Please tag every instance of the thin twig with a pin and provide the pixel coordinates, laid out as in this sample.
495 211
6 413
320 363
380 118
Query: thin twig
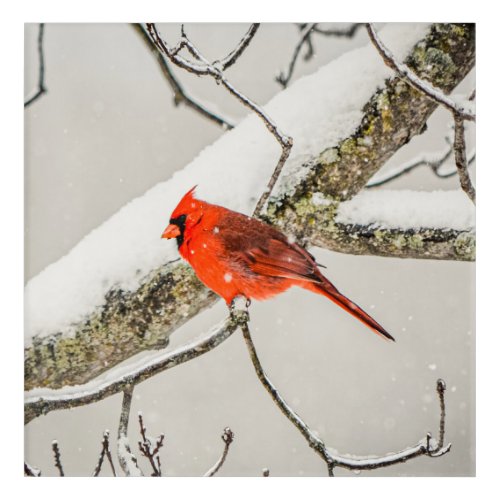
202 67
31 471
231 58
227 438
424 447
57 457
433 161
461 158
105 452
60 399
441 388
180 95
127 461
151 454
407 74
41 69
284 78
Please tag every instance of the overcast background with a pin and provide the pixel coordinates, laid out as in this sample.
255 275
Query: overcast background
106 132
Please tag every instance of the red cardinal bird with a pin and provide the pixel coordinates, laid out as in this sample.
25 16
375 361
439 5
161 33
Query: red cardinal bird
235 255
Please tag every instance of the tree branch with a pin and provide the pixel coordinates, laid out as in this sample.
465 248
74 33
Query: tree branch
432 160
57 457
152 454
227 438
126 459
104 453
235 54
423 86
426 446
284 78
284 141
180 95
42 401
41 69
461 159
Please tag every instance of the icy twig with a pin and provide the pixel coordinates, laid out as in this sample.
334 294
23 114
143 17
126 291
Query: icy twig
41 69
432 160
231 58
147 450
423 86
126 459
57 457
31 471
60 399
461 158
104 453
265 472
180 95
284 78
202 67
227 438
423 447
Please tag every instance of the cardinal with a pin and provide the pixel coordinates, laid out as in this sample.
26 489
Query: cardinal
236 255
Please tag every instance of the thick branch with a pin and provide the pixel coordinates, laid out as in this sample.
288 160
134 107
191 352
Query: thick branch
423 86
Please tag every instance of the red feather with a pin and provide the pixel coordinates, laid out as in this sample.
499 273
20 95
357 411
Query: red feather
236 255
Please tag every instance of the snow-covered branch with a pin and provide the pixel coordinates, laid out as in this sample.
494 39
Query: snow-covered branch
426 446
42 401
119 291
425 87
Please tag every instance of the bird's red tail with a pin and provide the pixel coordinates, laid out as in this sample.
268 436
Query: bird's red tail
329 291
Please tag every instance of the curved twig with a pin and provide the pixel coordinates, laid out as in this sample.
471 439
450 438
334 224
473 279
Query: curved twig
227 437
231 58
284 78
41 69
180 95
424 447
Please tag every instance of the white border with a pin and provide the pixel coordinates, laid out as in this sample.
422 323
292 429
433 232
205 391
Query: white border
211 10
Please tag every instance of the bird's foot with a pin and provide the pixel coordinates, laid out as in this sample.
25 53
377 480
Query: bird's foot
238 308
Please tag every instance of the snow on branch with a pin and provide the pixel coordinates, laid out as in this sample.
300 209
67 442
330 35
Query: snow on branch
42 401
120 291
423 86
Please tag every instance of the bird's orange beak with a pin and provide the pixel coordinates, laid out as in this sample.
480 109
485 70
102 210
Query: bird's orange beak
172 231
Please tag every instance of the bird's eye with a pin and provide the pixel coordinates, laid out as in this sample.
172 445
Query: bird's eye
179 221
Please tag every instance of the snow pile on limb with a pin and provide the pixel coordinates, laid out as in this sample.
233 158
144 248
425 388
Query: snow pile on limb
316 111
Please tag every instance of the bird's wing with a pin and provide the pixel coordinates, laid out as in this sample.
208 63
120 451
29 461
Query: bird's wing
282 259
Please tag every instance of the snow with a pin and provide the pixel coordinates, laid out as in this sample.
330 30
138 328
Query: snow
405 209
317 111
